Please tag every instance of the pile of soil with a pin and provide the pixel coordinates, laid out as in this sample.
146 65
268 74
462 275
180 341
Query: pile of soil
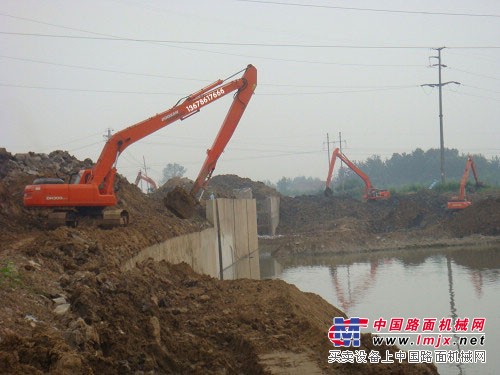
160 318
180 202
225 186
319 224
68 306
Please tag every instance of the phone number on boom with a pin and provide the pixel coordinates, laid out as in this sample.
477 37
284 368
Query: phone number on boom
206 99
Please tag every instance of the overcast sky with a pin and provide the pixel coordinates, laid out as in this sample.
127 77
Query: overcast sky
70 71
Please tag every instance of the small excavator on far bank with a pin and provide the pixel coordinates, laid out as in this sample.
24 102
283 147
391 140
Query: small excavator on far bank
152 184
460 202
370 194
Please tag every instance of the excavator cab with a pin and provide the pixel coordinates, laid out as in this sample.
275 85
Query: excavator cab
376 194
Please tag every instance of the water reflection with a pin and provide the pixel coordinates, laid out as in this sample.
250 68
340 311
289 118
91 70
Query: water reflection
437 283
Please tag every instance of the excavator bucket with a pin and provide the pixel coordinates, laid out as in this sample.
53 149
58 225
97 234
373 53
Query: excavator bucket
180 202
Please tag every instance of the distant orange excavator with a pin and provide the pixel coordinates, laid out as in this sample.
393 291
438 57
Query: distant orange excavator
460 202
371 193
149 180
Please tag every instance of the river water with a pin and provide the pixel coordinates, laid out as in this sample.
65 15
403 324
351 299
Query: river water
455 283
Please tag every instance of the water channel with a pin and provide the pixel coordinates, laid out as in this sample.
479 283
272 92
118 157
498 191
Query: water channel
418 283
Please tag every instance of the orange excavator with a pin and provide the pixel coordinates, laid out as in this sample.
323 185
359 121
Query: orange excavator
92 192
149 180
371 193
460 202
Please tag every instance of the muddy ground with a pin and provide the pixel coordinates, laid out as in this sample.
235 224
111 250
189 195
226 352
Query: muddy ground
68 308
317 224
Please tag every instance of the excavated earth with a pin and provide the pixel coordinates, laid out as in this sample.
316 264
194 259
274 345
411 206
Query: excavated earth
317 224
68 307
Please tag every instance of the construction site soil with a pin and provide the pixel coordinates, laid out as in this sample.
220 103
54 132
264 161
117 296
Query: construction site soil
68 306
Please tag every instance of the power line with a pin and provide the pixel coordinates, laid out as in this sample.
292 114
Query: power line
482 89
199 42
383 88
97 69
87 90
37 87
194 79
372 9
478 96
475 74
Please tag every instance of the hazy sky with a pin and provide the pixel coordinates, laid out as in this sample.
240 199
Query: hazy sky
70 71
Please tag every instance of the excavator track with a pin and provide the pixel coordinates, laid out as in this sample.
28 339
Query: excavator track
62 218
112 218
108 218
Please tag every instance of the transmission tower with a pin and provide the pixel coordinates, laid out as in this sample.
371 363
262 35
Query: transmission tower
440 85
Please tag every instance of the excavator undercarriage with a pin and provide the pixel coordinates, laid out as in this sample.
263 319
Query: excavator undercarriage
104 217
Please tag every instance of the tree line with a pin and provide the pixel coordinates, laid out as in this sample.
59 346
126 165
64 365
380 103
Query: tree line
416 169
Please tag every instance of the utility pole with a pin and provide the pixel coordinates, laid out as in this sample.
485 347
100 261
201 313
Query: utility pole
328 147
148 185
108 135
440 85
340 147
328 142
341 162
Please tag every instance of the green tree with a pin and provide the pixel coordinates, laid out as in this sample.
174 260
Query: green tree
173 170
284 185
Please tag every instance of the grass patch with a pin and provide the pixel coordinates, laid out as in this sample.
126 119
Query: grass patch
9 275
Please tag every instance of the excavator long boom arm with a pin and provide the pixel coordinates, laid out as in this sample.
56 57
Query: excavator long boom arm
463 181
338 154
241 99
102 172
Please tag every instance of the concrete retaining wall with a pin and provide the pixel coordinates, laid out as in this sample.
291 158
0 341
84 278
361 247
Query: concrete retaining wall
268 215
230 252
237 241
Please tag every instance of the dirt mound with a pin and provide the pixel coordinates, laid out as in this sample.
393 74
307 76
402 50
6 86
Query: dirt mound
422 211
482 217
317 213
160 318
180 202
148 218
17 171
224 186
316 224
171 184
69 307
